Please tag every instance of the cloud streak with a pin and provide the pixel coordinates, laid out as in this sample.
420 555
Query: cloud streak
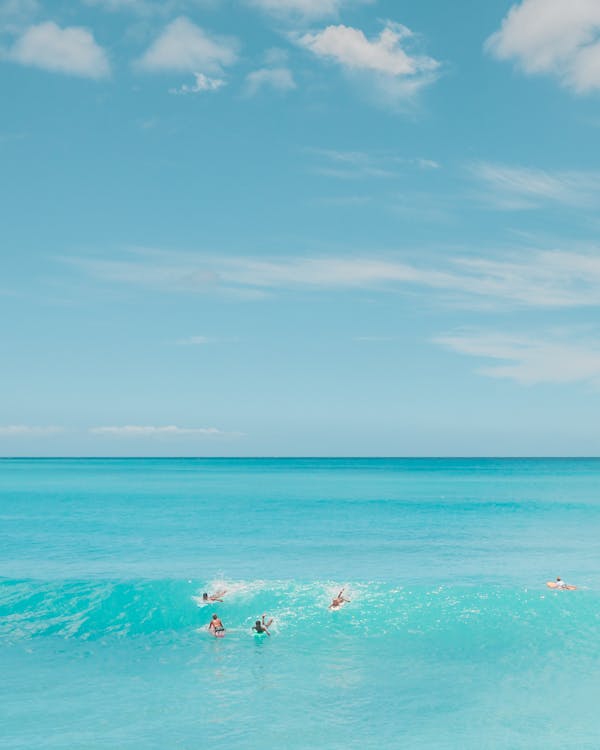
166 431
21 430
543 279
527 360
349 165
521 188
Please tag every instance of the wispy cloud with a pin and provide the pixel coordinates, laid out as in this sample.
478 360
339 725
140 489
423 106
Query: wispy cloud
15 15
427 163
185 47
304 9
529 360
22 430
551 279
143 7
277 79
386 63
195 341
151 431
72 50
350 165
150 7
202 83
521 188
554 37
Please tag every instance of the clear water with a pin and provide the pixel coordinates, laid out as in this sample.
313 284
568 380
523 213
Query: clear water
451 640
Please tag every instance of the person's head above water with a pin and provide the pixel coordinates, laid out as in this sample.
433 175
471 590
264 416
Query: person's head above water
215 617
205 596
558 578
258 625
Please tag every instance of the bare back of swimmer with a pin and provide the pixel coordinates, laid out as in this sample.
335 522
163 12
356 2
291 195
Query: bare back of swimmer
215 625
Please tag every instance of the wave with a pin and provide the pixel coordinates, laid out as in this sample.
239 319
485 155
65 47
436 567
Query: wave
90 610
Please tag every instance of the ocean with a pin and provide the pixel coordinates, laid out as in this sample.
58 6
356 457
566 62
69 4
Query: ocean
451 638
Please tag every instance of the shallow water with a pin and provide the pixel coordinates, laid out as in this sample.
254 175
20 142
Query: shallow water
451 639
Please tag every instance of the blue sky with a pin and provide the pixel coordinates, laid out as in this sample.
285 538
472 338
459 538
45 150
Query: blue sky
299 227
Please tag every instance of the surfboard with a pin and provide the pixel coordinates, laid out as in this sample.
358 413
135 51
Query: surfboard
554 585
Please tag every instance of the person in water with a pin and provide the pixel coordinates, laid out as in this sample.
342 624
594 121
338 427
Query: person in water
338 600
218 597
561 585
263 627
215 625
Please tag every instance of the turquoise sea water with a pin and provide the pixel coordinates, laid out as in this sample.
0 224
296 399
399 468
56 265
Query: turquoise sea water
451 639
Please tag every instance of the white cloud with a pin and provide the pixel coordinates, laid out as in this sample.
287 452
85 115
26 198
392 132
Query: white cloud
557 37
550 279
280 79
305 9
72 50
351 48
185 47
201 84
151 431
516 187
22 430
530 360
392 72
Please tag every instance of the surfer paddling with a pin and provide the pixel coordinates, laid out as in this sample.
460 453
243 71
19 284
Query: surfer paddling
217 597
338 600
216 627
560 584
263 627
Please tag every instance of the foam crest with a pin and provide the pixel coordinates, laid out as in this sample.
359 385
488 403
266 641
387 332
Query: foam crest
169 609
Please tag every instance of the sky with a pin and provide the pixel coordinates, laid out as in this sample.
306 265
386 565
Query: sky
299 228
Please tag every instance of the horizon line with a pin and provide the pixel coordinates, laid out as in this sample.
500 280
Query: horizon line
304 457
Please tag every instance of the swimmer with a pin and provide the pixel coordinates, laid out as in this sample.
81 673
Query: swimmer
338 600
215 625
560 584
218 597
263 627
